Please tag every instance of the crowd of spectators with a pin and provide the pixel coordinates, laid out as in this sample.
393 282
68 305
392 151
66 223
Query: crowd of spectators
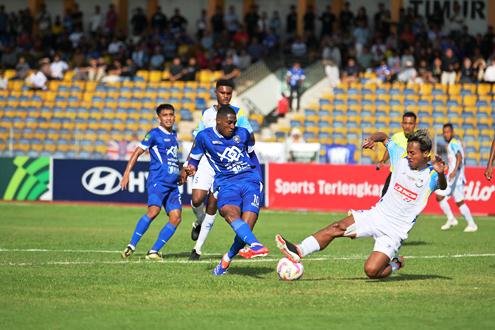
416 48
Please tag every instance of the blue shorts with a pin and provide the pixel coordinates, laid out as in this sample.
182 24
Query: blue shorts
245 194
169 197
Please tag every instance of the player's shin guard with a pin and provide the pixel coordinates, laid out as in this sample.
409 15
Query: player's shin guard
444 205
165 234
141 228
309 245
243 231
206 226
199 212
466 213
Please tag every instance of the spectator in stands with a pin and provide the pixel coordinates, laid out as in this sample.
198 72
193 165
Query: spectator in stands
282 106
455 21
489 76
115 45
8 58
365 60
295 79
241 38
217 23
294 137
176 70
44 21
113 72
4 20
96 69
291 21
436 70
139 22
383 72
351 72
230 70
178 22
467 73
4 82
309 20
57 27
38 79
332 73
408 74
158 20
111 19
270 41
140 56
128 70
327 19
190 70
77 17
298 48
263 25
255 50
58 67
450 65
21 69
232 21
96 21
424 73
251 21
76 36
331 52
407 57
157 59
241 59
346 18
276 23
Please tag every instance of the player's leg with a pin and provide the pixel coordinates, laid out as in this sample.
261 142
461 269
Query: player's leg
201 185
466 213
206 226
318 241
173 208
383 261
142 226
441 196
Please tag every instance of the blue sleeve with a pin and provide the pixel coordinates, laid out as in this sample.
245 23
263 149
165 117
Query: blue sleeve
147 142
197 150
434 180
395 152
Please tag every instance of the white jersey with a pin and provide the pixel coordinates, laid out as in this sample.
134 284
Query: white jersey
408 191
454 147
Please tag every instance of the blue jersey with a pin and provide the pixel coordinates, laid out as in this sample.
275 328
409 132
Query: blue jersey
227 156
209 119
295 75
164 164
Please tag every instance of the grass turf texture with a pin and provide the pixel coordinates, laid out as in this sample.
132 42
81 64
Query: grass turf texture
56 288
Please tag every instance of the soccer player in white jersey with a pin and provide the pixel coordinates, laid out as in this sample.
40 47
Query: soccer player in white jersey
390 220
204 177
489 165
456 181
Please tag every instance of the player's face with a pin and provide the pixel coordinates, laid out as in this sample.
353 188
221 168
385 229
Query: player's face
166 118
408 125
447 134
226 125
224 95
415 157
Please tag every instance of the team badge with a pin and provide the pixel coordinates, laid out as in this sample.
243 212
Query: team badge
237 139
147 137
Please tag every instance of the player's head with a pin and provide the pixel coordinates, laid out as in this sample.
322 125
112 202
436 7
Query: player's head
408 123
166 115
223 91
418 149
448 132
226 120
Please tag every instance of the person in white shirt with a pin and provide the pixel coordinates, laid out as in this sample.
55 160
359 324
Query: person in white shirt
390 220
490 72
96 20
58 67
39 79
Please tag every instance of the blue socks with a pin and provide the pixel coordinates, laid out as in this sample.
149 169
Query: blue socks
141 228
163 237
236 247
243 231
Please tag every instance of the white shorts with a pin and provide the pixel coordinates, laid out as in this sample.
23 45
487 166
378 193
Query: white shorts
204 177
388 236
454 189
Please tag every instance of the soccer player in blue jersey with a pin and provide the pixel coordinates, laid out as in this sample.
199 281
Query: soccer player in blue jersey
203 179
238 184
390 220
161 183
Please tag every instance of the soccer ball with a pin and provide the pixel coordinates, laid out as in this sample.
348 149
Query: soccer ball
289 271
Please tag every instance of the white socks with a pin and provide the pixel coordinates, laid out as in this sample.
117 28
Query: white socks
206 226
464 209
444 205
309 245
199 212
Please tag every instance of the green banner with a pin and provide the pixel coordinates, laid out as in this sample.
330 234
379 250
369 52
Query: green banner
24 178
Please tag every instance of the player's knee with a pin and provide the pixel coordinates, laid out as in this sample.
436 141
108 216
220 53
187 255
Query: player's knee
439 198
459 204
336 229
152 214
372 271
197 200
175 220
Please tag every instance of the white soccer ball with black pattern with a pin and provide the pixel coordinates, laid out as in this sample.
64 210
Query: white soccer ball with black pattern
288 270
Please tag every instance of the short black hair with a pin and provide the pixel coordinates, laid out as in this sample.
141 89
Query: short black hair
409 114
225 110
224 82
421 136
164 106
449 125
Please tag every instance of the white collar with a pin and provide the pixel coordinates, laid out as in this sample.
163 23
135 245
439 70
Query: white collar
217 133
164 130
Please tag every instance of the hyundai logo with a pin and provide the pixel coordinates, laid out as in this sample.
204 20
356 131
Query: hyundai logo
101 180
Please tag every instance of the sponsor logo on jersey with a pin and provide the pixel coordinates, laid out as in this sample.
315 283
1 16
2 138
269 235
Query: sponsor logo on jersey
231 154
407 194
101 180
172 151
216 142
167 140
236 139
147 137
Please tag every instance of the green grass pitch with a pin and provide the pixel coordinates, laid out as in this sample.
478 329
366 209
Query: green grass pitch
60 268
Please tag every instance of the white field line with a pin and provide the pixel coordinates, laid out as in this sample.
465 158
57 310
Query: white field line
208 261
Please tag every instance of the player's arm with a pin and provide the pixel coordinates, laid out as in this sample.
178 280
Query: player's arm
382 162
201 126
197 151
439 167
130 165
489 165
369 143
252 154
458 162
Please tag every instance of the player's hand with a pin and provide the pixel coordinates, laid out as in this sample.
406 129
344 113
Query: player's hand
438 164
190 170
124 182
368 143
452 176
182 176
379 165
488 173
